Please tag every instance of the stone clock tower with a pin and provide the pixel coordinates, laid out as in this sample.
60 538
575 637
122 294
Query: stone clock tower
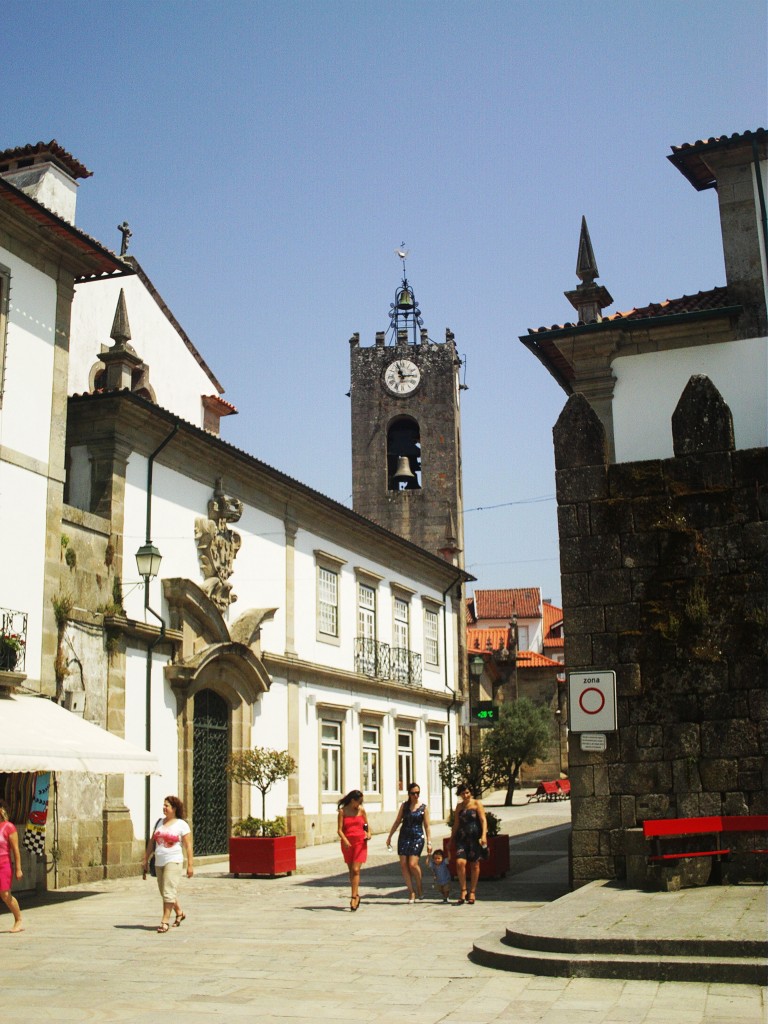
406 436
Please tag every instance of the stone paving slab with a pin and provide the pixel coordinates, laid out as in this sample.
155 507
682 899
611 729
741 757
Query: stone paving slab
732 918
289 950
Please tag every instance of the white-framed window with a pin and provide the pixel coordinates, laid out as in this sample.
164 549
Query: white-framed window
371 759
5 291
522 638
431 636
404 759
329 597
328 600
400 657
366 611
401 631
330 755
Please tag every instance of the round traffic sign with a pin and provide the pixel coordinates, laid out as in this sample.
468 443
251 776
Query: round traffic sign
592 700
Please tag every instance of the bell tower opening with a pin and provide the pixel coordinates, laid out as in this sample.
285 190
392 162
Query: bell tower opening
404 455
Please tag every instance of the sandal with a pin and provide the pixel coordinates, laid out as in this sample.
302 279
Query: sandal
179 919
354 903
412 897
462 898
471 898
163 928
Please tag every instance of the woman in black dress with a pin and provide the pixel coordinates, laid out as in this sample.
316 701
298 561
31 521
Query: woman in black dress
470 841
413 821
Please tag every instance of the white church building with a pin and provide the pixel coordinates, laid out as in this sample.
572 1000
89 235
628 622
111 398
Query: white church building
277 617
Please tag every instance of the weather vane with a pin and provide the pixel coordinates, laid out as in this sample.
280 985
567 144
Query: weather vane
404 314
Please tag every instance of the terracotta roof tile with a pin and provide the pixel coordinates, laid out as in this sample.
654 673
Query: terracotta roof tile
218 405
542 342
97 261
552 616
690 158
524 602
530 659
478 640
714 298
73 167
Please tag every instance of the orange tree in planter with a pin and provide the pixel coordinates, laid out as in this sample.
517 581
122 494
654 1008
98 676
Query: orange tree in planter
262 768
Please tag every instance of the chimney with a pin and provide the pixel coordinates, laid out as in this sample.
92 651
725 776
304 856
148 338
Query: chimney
734 165
47 173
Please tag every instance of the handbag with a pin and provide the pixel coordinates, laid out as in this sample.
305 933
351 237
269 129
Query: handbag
485 852
152 868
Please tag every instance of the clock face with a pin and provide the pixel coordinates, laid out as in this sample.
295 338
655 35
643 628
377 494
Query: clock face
402 377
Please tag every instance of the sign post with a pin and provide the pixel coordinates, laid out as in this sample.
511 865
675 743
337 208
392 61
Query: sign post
592 702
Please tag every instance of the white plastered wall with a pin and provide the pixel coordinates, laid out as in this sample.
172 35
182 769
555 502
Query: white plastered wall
649 386
25 418
176 377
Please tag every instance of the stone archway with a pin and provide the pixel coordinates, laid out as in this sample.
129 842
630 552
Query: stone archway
218 677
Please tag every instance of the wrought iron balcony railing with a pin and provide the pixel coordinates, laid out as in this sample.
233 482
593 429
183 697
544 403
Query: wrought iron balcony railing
406 666
13 640
372 658
380 661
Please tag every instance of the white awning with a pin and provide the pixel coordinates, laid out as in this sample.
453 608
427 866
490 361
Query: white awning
37 735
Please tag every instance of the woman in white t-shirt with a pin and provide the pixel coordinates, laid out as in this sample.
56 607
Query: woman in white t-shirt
170 840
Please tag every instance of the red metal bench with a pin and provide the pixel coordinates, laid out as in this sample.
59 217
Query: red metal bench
662 830
564 787
545 791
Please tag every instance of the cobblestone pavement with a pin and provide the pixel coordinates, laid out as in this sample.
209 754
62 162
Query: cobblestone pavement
288 949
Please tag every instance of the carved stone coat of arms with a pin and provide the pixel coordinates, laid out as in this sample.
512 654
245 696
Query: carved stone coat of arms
217 546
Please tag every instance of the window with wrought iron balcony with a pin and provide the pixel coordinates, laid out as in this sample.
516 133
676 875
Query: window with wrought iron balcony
13 640
380 661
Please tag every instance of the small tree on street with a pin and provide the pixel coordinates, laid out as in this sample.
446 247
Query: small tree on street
523 734
262 768
474 769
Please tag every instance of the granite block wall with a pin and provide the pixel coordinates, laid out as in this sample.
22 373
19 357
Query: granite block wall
663 568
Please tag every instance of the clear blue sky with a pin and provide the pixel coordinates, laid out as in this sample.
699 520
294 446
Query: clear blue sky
269 157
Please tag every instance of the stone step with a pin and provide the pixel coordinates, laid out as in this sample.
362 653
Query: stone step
650 947
492 951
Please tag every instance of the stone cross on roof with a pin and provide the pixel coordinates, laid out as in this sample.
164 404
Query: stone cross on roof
126 232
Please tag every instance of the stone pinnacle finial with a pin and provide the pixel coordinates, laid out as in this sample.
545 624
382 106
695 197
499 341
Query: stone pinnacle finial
586 264
587 298
121 329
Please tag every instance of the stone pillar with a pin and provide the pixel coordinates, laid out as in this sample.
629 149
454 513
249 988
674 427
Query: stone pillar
109 459
295 811
55 482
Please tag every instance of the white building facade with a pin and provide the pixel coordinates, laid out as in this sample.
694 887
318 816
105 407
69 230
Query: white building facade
278 618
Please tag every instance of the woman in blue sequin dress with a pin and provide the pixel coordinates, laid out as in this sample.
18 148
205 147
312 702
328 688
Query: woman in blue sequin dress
413 821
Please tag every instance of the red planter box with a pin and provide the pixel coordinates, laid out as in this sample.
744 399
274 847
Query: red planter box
257 856
497 864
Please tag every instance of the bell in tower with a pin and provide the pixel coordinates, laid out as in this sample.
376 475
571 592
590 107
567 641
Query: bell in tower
406 437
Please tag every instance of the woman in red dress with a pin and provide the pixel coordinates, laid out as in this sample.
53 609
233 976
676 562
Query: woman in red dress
354 835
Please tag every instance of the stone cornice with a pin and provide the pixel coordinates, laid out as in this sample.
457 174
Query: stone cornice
353 682
144 631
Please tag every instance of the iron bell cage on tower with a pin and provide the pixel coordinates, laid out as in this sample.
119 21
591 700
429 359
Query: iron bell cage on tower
406 432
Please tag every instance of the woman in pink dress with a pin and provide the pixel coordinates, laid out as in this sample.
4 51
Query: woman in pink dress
9 849
354 835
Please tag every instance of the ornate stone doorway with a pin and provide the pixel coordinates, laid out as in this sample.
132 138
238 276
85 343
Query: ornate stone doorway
209 780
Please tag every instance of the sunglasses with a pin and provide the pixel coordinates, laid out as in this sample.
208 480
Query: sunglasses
414 792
